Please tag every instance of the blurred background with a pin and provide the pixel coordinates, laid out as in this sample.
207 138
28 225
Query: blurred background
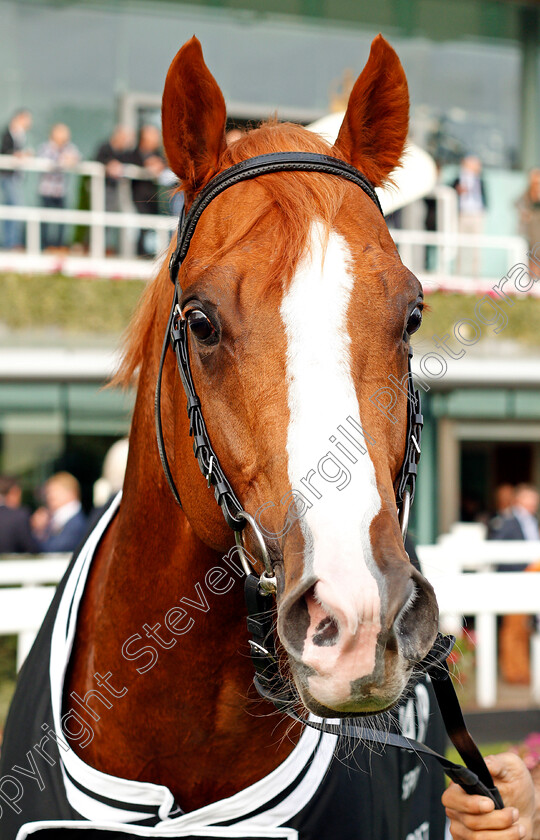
87 204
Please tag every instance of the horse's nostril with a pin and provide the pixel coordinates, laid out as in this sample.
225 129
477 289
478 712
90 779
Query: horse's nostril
417 623
307 620
326 632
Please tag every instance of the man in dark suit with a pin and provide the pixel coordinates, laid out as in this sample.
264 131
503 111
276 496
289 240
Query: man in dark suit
519 522
15 533
62 524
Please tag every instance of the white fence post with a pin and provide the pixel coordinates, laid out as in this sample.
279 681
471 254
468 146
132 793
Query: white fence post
33 236
485 594
486 659
97 206
535 667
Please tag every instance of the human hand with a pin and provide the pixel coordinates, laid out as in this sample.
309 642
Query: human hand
40 520
114 169
69 159
475 817
154 164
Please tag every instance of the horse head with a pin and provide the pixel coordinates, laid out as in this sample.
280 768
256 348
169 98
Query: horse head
298 310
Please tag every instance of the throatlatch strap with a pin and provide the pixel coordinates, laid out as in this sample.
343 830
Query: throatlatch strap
157 408
465 777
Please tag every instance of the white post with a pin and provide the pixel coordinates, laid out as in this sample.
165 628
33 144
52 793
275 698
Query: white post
25 640
97 205
486 659
163 239
535 667
127 236
33 236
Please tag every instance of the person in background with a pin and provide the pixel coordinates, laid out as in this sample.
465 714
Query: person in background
472 210
60 525
112 474
515 521
528 206
504 499
15 533
13 142
233 135
519 521
145 192
52 189
114 153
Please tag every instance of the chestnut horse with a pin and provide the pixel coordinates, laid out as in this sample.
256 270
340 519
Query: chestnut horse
298 309
298 306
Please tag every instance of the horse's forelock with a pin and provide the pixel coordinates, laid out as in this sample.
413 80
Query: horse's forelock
295 200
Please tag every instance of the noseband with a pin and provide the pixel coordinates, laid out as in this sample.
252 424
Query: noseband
475 777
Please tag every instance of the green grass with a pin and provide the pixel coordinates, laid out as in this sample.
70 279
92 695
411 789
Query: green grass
8 648
92 306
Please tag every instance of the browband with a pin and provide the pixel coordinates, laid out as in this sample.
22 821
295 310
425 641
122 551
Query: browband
252 168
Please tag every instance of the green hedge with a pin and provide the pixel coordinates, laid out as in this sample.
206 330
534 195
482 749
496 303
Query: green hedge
94 306
73 304
445 310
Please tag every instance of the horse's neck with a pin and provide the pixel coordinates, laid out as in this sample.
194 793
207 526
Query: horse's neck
189 710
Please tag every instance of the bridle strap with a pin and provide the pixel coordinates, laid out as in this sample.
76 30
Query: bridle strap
207 459
202 447
157 408
471 777
253 168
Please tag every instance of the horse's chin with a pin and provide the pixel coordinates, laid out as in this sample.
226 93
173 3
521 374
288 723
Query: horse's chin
328 699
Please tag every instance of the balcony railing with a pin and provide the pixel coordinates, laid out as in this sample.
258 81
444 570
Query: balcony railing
443 258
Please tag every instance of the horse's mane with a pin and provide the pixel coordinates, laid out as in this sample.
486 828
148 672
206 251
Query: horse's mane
294 199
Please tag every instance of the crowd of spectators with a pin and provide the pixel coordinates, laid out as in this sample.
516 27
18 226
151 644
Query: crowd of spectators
150 188
149 184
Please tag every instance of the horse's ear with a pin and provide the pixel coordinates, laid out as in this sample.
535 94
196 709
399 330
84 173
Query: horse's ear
193 118
374 129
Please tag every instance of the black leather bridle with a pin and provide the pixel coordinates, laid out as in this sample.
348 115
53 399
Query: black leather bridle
475 777
176 335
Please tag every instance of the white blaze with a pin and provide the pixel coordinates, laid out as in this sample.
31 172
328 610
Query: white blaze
321 396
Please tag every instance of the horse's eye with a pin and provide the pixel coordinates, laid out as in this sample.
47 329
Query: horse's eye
415 319
200 325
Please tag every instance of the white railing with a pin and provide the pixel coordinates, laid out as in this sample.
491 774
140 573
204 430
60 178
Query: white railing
453 555
96 218
484 595
446 243
27 588
97 221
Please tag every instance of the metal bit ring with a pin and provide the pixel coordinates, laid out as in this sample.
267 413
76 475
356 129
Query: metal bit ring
268 582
